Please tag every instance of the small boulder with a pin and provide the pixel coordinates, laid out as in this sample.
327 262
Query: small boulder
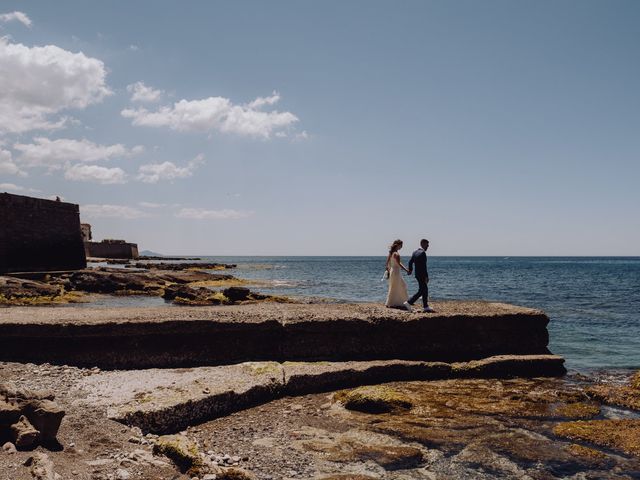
234 474
46 416
237 294
9 448
183 291
41 467
24 435
122 474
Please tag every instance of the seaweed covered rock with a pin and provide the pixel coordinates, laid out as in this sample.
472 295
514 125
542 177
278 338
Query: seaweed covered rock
17 291
389 457
237 294
186 294
374 399
194 295
578 410
621 435
621 395
182 451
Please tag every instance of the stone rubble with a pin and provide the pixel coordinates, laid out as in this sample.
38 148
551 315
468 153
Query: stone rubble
29 418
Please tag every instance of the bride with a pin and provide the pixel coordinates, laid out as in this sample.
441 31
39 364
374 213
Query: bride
397 296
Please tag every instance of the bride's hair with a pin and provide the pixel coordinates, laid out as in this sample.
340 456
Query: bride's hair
395 245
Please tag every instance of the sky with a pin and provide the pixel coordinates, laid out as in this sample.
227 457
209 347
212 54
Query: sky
329 128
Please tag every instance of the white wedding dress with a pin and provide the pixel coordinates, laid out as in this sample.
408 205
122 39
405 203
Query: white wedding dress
398 294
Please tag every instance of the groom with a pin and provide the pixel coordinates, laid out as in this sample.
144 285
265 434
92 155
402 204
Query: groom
419 258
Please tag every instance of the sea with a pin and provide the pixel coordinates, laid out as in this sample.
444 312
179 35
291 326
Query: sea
593 302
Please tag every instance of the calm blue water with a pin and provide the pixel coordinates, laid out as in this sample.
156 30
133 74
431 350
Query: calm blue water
593 303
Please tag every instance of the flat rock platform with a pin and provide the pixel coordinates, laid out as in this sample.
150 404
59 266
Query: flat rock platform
169 400
171 337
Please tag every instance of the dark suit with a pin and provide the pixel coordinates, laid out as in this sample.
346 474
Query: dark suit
419 259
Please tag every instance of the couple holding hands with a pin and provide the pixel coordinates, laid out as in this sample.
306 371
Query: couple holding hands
398 297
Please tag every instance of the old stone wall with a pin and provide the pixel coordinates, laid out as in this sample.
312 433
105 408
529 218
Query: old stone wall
106 249
39 235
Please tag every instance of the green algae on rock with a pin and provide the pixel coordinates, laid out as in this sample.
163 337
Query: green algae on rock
620 395
24 292
182 451
586 453
621 435
389 457
374 399
578 410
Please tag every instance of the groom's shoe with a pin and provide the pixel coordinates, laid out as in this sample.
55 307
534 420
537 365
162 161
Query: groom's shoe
407 306
428 309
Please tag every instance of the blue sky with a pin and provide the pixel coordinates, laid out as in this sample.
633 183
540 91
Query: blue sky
330 128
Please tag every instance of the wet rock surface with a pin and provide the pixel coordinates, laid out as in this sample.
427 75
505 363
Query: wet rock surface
202 296
168 400
462 428
622 435
625 395
374 399
42 288
16 291
468 429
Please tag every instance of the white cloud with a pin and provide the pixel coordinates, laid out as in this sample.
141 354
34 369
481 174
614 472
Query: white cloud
95 173
7 165
36 83
134 48
55 154
12 187
203 214
142 93
116 211
216 114
152 205
154 172
262 101
17 16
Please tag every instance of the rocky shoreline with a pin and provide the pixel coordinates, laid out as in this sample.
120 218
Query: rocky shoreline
178 283
463 428
235 384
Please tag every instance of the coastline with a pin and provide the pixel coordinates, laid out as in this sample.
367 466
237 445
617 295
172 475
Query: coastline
227 373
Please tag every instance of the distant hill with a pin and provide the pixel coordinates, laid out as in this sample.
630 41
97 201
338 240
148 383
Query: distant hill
149 253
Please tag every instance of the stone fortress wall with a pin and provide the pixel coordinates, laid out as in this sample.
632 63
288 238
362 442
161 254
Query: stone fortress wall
39 235
107 248
111 249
